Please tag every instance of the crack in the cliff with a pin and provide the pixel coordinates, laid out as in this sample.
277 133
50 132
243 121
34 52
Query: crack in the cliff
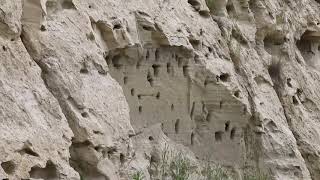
43 70
277 88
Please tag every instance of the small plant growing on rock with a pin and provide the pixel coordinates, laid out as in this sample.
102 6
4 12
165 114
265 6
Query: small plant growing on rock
138 176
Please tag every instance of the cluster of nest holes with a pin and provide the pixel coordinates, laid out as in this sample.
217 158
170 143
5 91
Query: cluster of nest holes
218 135
152 75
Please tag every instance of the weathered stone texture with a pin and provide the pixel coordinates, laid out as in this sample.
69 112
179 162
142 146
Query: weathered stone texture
98 89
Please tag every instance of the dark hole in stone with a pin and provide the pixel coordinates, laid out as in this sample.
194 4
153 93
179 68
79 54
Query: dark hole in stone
138 66
147 28
90 36
221 104
116 62
132 92
195 4
237 94
140 109
289 82
156 69
84 114
172 107
108 59
150 79
227 126
218 135
154 159
295 100
125 80
147 55
195 43
169 68
8 167
192 109
49 172
233 133
84 71
210 49
204 13
177 126
224 77
192 138
67 4
185 71
274 71
122 158
43 28
4 48
117 26
151 138
158 95
98 148
29 151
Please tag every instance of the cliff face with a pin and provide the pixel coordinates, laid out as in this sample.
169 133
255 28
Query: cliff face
102 88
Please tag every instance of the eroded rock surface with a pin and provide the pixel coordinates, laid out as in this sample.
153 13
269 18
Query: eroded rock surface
98 89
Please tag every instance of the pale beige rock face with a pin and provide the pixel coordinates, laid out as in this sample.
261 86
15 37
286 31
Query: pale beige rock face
99 89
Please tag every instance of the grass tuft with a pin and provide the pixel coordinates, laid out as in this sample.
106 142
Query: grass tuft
256 176
180 168
138 176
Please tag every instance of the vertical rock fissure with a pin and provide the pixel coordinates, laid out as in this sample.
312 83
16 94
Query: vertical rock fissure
43 70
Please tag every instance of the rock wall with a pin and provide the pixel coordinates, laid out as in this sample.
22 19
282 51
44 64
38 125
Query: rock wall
98 89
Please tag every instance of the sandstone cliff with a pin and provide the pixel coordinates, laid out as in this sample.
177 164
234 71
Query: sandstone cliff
103 89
